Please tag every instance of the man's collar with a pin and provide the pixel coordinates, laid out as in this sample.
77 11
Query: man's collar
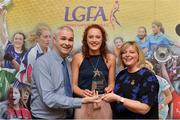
57 56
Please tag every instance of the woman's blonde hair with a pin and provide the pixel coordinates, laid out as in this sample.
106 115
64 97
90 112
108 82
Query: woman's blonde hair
141 60
33 36
148 65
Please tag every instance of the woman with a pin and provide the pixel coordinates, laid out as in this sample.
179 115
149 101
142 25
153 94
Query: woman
118 42
158 37
136 89
24 76
25 93
142 40
93 69
42 37
14 51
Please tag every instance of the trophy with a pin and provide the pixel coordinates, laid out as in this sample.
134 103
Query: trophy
98 82
162 54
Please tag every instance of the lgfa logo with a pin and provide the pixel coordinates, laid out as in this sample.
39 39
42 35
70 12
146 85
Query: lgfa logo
81 13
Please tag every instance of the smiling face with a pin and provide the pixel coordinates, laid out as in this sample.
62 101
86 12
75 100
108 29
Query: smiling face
141 33
63 42
94 40
130 56
18 40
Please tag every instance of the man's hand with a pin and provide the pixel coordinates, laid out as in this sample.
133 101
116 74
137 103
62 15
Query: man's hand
94 99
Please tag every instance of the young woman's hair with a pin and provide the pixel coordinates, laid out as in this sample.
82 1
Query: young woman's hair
33 36
24 38
85 47
21 89
159 24
10 98
141 60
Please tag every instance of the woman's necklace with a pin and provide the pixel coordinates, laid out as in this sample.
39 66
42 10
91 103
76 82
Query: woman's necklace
95 68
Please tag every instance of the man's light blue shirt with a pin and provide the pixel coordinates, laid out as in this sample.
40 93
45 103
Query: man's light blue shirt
48 98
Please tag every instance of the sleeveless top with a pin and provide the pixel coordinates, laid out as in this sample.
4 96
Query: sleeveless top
86 74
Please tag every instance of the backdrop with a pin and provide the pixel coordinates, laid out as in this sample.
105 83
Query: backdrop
119 17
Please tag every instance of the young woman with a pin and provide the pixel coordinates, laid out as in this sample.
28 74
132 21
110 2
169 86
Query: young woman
136 89
158 37
118 42
15 50
93 69
142 40
42 38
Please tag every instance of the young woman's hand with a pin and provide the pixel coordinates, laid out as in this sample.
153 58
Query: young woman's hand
108 89
94 99
87 93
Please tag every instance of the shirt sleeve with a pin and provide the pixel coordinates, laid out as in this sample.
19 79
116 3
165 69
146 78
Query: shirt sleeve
167 41
149 90
164 85
53 98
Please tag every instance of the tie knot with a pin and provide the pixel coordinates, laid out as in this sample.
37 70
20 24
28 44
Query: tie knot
64 62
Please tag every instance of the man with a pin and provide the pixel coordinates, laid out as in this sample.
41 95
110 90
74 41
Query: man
51 93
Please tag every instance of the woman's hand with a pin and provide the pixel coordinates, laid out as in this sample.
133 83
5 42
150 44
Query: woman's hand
108 89
110 97
87 93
